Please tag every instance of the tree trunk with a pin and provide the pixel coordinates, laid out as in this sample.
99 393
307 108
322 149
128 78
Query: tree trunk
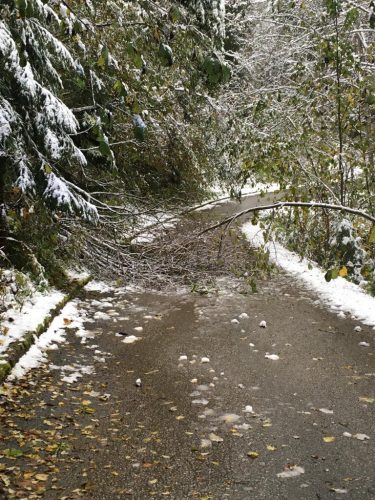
4 229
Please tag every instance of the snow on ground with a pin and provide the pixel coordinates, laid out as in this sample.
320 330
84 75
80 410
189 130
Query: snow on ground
339 295
69 318
74 274
71 373
33 312
98 286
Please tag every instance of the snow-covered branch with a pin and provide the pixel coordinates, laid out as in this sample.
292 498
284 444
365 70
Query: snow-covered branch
293 204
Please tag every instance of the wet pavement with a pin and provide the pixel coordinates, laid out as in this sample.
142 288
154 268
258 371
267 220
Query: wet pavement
224 408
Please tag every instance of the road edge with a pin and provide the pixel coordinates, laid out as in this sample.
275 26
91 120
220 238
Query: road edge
20 347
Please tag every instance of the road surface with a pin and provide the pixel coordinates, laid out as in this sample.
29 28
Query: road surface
216 415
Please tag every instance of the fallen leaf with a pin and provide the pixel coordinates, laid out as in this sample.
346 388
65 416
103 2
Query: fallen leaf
267 423
13 453
253 454
215 438
5 479
329 439
326 411
367 399
87 409
270 447
229 418
41 477
51 448
67 321
339 490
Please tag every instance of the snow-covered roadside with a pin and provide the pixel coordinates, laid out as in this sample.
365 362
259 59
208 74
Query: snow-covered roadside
20 327
49 340
71 317
339 295
15 322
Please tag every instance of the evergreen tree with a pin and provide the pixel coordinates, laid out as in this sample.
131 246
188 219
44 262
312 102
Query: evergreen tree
38 153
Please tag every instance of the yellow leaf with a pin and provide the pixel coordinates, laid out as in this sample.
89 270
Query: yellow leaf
5 479
52 448
343 272
87 409
86 402
366 399
253 454
270 447
41 477
180 417
329 439
67 321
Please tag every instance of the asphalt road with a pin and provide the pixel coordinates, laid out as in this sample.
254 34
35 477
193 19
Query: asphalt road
213 417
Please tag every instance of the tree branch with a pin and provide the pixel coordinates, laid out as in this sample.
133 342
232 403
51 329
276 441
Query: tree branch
282 204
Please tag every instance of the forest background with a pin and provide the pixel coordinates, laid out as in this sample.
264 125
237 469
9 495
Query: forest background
116 113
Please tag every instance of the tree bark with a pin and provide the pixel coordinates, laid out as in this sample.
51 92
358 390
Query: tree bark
4 229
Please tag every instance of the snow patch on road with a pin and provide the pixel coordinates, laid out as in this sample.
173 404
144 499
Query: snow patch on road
71 373
130 339
338 294
98 286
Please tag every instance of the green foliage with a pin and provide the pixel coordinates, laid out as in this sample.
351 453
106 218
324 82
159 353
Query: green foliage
307 122
218 72
117 89
166 54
